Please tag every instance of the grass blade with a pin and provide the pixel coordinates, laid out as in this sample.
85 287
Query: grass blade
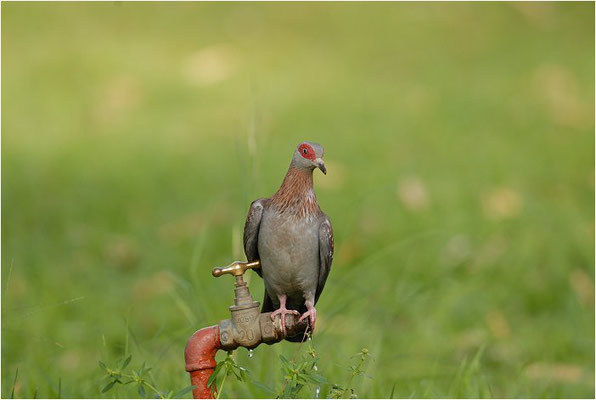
108 386
16 375
127 361
182 392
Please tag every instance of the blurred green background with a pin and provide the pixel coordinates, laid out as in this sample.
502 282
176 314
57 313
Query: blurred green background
459 140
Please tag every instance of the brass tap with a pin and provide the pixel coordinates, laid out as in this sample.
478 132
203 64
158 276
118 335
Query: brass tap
248 327
237 268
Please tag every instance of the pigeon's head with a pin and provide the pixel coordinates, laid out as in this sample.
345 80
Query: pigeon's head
309 155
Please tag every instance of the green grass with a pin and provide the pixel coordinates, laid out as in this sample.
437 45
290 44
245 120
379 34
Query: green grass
460 147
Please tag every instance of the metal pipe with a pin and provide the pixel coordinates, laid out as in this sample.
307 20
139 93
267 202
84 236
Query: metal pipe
246 328
200 359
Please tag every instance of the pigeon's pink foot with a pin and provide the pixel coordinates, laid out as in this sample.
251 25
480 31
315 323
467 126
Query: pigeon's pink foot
283 311
311 314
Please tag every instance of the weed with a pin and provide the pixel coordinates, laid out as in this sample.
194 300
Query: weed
297 374
223 369
141 377
357 369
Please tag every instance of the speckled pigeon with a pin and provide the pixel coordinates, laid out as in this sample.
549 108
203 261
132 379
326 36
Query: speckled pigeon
293 239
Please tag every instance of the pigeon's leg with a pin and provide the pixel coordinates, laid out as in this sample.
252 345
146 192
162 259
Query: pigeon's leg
311 314
283 311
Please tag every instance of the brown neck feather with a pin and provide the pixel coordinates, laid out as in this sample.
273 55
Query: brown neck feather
296 194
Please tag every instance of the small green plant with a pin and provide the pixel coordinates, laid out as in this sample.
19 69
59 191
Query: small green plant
223 369
298 374
359 368
141 377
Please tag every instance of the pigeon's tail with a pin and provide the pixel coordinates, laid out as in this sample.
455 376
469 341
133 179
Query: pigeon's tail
268 307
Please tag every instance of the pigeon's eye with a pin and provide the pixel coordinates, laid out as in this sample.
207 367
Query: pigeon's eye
304 150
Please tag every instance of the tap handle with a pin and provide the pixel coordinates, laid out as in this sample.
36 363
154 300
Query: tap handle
237 268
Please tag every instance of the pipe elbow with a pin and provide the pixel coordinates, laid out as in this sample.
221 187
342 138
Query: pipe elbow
200 359
201 349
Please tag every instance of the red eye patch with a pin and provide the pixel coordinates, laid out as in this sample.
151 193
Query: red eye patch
307 151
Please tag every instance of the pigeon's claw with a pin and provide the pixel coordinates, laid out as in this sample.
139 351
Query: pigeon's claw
311 314
283 311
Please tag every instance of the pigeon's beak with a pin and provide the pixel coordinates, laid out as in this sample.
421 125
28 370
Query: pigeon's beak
321 165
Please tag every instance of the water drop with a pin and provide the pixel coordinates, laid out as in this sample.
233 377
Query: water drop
250 353
318 388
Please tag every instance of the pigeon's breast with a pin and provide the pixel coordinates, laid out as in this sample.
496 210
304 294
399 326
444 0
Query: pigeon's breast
289 252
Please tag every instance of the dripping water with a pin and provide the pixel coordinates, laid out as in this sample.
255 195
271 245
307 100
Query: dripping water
315 368
318 388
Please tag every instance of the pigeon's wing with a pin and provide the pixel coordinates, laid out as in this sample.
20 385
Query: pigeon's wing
251 230
251 241
326 258
325 253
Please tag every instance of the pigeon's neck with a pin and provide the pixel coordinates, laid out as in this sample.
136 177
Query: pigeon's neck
296 194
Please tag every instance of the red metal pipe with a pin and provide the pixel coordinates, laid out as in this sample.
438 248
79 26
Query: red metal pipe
200 359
